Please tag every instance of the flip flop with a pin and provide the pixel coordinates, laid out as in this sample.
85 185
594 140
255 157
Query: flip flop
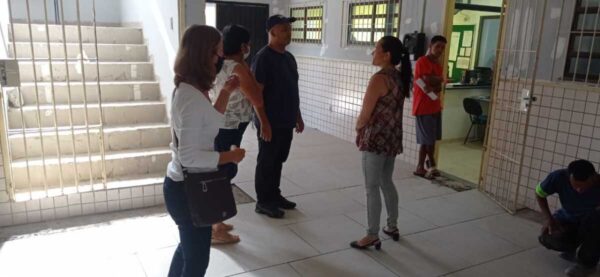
425 175
228 227
229 239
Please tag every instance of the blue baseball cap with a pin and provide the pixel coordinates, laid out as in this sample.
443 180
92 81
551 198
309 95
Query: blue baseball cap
278 19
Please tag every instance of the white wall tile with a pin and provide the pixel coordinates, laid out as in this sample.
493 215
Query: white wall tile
6 220
4 196
87 197
126 204
75 210
61 201
34 216
47 203
125 193
33 205
5 209
62 212
148 190
101 207
19 218
48 215
113 194
100 196
113 205
137 192
149 201
88 208
137 202
74 199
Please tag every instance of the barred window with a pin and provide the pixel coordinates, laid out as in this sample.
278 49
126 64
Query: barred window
371 20
583 56
308 27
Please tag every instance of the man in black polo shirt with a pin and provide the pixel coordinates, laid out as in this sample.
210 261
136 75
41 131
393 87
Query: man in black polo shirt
277 72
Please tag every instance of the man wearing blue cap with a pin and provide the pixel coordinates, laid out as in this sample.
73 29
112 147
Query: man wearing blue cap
277 72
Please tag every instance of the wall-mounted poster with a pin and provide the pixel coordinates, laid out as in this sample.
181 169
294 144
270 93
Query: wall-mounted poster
462 52
468 52
454 43
467 38
462 63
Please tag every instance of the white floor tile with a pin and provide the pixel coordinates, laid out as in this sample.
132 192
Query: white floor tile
351 262
266 245
329 234
276 271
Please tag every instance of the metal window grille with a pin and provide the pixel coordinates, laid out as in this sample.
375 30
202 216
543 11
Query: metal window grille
309 25
583 56
368 21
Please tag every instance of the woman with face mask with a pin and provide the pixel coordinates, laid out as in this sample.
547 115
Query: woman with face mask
195 121
236 49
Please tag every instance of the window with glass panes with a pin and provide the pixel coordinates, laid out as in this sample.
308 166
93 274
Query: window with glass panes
308 27
583 56
369 21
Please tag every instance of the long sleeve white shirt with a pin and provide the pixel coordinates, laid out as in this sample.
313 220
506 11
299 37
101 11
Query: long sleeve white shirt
196 124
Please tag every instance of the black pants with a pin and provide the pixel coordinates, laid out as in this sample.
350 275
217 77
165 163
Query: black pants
193 252
583 237
269 163
223 142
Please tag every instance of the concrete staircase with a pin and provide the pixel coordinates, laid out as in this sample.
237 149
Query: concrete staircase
136 133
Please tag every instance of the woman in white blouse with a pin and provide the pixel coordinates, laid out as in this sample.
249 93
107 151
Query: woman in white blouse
196 123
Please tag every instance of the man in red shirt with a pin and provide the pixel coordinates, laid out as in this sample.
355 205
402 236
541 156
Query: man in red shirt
427 107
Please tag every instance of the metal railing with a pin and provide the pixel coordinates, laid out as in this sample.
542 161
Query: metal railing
26 188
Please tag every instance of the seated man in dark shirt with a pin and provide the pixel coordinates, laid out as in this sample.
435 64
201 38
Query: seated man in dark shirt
575 228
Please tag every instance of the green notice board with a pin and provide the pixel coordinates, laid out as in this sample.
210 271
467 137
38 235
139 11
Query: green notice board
462 42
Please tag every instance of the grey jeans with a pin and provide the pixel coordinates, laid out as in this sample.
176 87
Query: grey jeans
378 171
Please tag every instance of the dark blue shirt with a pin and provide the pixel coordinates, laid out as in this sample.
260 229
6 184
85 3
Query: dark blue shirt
574 205
278 72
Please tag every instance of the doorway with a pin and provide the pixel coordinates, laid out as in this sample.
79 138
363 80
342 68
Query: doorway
250 15
472 43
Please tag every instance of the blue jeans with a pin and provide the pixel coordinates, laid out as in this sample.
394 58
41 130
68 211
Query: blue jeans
223 142
378 170
193 252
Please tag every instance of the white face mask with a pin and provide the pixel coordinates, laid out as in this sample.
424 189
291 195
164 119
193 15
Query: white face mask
247 54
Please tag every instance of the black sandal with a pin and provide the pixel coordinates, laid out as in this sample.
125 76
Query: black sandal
395 233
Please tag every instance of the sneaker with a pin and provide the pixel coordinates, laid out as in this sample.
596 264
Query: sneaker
269 210
285 204
579 270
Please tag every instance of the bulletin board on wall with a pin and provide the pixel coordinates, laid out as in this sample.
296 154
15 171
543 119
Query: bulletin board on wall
462 44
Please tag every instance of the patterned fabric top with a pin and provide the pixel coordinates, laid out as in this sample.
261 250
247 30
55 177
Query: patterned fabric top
383 133
239 108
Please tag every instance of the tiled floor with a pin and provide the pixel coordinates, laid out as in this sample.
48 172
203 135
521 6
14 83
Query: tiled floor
443 232
468 166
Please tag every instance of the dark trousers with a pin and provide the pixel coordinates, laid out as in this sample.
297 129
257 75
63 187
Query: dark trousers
193 252
223 142
583 237
269 163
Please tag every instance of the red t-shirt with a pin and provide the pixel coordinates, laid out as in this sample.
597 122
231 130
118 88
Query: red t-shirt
422 104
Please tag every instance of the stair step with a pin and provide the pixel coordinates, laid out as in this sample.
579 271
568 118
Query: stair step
119 113
116 138
22 194
108 52
118 164
120 91
114 35
109 71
